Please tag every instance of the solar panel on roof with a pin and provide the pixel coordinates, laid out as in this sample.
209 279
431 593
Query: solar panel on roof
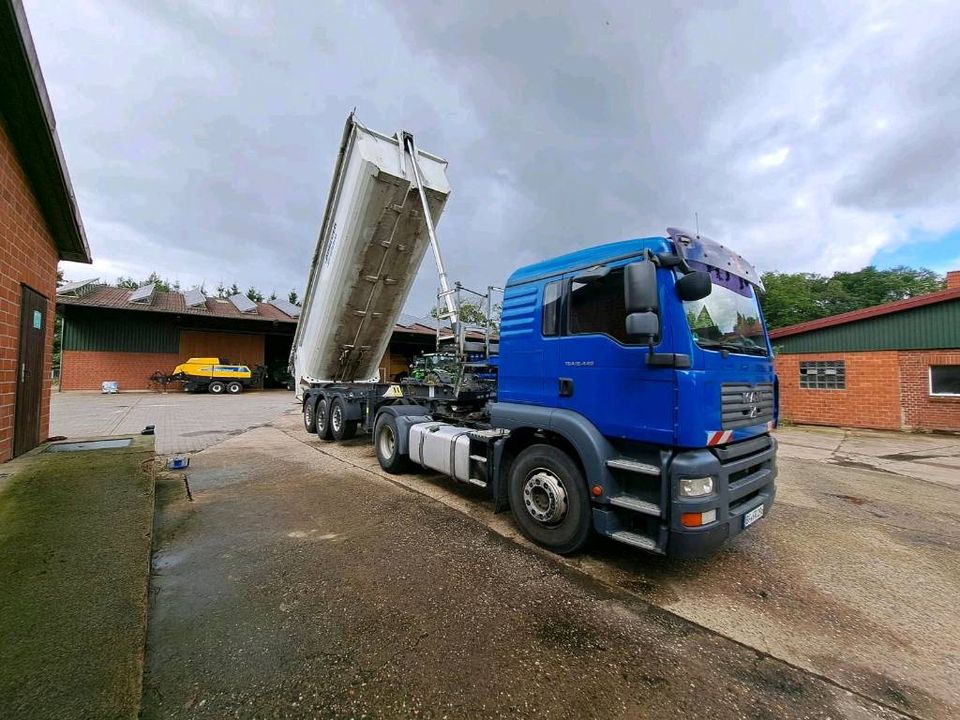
143 294
194 298
287 308
242 303
78 288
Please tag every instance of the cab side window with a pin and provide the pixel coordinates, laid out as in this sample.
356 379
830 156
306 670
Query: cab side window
599 307
551 309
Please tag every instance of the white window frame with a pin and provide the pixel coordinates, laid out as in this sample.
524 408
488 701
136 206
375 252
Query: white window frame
930 383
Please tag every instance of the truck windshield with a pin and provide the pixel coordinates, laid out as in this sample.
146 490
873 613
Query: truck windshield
729 317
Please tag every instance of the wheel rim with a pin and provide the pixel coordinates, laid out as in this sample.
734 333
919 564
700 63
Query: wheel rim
216 388
308 415
337 419
322 415
387 442
545 497
233 388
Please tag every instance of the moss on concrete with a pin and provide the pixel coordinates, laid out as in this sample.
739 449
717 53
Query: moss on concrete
74 565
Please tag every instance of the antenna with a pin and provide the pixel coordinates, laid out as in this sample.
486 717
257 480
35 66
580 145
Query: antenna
697 216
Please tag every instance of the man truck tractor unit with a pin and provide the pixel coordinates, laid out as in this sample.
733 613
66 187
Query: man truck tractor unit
635 395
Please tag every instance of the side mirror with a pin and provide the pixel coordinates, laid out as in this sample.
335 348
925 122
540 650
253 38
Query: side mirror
640 288
694 286
643 325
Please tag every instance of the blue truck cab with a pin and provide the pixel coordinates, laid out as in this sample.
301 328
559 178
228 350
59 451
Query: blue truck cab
647 363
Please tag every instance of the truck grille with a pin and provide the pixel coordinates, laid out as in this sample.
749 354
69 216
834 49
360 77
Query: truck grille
742 404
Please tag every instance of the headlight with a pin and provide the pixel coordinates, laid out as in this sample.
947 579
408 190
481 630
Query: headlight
696 487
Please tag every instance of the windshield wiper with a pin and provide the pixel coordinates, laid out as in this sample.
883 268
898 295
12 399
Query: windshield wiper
732 346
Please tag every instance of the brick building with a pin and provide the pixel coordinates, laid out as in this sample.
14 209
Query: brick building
894 366
39 225
127 335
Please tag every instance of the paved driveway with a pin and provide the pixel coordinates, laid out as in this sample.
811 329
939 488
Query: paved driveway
184 422
301 580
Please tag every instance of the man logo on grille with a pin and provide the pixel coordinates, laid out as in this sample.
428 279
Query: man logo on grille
751 396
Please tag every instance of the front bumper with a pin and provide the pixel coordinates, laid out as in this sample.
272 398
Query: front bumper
745 479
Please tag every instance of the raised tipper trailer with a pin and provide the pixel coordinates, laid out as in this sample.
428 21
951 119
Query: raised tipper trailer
635 394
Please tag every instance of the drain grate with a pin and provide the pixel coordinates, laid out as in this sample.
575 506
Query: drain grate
88 445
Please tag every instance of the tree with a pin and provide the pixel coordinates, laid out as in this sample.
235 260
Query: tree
293 298
221 290
234 290
792 298
474 314
254 294
163 285
273 296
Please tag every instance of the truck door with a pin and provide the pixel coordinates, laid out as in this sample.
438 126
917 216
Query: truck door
603 373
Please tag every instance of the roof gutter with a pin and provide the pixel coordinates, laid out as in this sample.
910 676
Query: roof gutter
28 119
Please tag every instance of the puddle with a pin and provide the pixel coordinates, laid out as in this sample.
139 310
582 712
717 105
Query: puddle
89 445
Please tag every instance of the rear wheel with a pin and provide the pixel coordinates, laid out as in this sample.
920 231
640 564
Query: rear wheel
323 419
386 438
340 427
549 500
310 416
234 387
216 388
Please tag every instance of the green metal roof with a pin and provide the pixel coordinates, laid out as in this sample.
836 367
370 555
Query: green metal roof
927 327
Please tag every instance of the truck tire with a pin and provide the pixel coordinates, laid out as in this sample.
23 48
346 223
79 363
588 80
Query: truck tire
340 427
234 387
549 499
216 388
322 414
385 441
310 415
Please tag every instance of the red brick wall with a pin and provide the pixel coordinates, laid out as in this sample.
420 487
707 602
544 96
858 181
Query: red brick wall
28 256
86 369
871 398
238 348
920 410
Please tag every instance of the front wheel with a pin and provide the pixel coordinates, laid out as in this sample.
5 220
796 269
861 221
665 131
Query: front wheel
216 388
549 499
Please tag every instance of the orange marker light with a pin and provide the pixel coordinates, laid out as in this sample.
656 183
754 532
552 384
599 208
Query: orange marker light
596 490
691 519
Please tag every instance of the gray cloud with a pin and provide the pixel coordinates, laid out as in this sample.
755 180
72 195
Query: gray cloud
201 137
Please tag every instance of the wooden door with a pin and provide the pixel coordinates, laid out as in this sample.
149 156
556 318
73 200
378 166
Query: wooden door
33 322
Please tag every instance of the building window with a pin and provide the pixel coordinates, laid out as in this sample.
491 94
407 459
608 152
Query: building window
551 309
945 380
823 375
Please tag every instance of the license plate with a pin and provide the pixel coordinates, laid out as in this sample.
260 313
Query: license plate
751 517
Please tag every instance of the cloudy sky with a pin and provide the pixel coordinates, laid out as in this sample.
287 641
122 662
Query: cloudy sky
201 135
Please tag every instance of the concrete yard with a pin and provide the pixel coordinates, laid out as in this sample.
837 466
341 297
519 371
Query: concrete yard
302 581
185 422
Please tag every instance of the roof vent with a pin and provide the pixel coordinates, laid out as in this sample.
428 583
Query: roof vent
79 288
143 295
242 303
195 298
287 308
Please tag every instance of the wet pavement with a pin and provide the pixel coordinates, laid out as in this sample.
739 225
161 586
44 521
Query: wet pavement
185 422
303 582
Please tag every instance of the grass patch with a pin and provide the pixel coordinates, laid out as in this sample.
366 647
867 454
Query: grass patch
74 565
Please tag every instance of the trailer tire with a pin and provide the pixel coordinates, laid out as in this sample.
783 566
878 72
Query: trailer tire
216 388
549 499
340 427
234 387
322 414
310 416
386 443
